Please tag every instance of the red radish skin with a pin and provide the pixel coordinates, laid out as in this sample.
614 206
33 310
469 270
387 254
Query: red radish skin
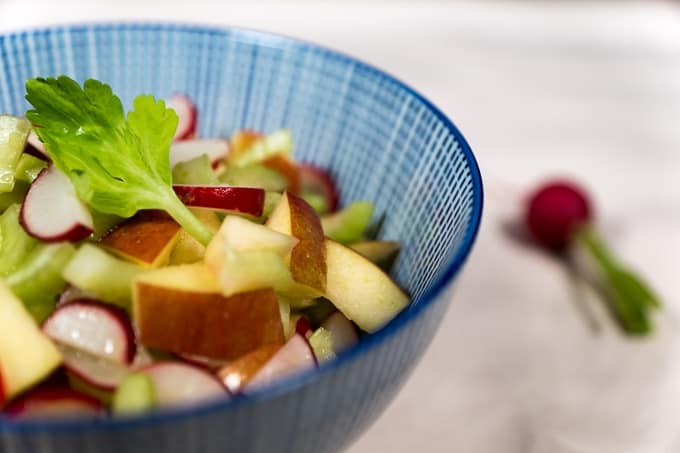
304 327
317 180
179 384
556 211
52 211
205 363
187 114
95 371
54 402
97 328
245 200
36 148
185 150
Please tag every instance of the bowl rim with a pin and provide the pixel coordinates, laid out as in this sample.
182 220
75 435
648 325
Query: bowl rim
454 264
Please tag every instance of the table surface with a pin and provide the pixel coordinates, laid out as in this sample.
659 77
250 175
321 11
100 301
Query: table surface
525 361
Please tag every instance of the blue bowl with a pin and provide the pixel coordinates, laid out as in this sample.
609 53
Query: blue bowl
381 140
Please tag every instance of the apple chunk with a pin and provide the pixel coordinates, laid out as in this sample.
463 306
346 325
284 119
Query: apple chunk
246 256
360 289
26 354
180 309
145 239
236 374
294 216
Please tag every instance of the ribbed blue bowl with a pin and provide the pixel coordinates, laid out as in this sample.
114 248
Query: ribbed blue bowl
381 140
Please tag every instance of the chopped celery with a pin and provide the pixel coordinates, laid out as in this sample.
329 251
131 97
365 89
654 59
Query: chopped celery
37 281
98 273
15 243
321 342
278 142
349 225
195 171
135 394
318 202
28 168
17 195
255 175
13 135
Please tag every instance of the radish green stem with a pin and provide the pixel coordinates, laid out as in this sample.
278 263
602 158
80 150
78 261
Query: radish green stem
629 296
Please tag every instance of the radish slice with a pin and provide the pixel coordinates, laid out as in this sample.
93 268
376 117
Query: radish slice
93 327
190 149
315 180
178 384
52 211
294 357
188 116
36 148
72 293
98 372
245 200
343 333
48 402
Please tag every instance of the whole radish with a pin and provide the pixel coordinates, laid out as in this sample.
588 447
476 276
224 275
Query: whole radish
559 216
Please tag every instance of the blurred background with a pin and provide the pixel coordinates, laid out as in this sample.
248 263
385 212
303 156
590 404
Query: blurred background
524 361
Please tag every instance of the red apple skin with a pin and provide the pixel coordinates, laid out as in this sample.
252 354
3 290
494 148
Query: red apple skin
206 324
308 257
245 200
142 238
236 374
241 141
315 179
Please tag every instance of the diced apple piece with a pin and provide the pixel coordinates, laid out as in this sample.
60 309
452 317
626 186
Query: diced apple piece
294 216
188 250
284 165
236 374
381 253
145 239
26 354
250 148
177 384
247 256
294 357
241 200
178 309
54 403
360 289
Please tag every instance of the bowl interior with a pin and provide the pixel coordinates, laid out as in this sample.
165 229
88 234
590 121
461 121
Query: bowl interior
382 141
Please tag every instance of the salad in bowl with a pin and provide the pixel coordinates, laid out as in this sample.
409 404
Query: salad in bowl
143 267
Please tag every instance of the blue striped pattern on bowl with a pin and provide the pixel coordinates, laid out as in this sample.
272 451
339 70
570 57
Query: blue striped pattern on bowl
382 142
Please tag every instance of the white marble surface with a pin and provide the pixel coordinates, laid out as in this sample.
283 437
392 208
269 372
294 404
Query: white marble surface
585 89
